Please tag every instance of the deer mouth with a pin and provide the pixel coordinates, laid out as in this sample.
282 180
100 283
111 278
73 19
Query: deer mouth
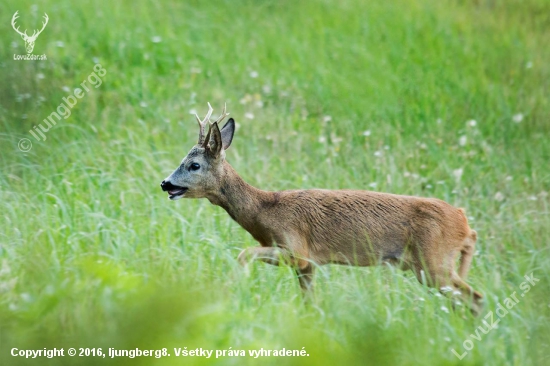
174 192
177 193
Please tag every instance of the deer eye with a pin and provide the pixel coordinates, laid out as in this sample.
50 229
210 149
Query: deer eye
194 166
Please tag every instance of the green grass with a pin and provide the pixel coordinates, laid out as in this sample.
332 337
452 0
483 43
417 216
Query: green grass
92 254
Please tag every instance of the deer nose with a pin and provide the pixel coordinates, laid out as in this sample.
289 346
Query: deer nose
167 186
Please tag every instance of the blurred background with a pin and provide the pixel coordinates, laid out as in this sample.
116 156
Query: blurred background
443 99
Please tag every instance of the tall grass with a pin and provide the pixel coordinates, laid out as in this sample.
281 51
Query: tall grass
446 99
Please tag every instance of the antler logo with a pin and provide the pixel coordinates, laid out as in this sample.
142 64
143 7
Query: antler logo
29 40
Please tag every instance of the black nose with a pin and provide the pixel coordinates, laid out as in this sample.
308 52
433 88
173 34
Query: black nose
167 186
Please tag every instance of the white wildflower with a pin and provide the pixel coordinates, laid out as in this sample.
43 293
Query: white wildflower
335 139
446 289
517 117
458 173
246 99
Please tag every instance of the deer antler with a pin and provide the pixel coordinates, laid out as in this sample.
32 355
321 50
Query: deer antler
35 34
13 19
202 124
223 115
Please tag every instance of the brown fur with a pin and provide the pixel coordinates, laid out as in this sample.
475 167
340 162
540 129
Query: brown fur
305 228
363 228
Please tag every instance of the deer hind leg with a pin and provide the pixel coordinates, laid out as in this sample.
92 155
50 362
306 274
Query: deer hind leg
467 254
444 277
474 298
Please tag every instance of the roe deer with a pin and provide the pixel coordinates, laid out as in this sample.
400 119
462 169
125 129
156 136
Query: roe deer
306 228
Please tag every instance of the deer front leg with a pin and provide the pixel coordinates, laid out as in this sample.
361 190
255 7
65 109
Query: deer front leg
271 255
277 256
305 276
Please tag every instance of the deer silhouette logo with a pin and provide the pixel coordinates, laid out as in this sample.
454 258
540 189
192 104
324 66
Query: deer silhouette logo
29 40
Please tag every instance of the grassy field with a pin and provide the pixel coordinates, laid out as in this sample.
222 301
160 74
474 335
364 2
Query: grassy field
443 99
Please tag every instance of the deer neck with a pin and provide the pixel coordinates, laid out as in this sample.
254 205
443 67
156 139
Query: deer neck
242 201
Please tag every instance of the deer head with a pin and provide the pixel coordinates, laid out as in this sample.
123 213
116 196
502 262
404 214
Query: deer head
200 172
29 40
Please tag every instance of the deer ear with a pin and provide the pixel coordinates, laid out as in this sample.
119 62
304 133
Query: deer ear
227 133
207 138
213 141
